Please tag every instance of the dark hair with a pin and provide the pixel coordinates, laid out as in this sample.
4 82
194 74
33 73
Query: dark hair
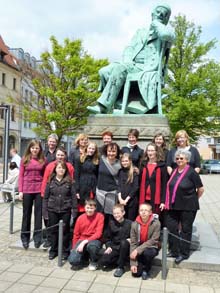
62 149
66 175
27 154
90 202
109 133
164 139
13 165
134 131
111 145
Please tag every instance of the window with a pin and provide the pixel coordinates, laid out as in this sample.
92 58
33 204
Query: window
3 78
2 112
13 113
218 140
208 140
14 84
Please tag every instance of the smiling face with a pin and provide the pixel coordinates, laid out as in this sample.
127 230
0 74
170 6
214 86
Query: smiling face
107 139
132 139
90 210
118 214
111 153
35 150
91 149
60 156
60 170
181 161
181 141
125 162
159 141
52 143
151 152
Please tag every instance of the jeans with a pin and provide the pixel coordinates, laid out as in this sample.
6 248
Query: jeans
91 248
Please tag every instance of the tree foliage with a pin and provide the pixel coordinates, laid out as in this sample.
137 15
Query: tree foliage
67 84
193 82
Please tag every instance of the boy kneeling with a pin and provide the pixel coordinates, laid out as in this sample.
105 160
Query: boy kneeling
117 248
145 233
87 235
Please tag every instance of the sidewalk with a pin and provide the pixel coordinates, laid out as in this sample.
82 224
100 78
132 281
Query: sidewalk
31 271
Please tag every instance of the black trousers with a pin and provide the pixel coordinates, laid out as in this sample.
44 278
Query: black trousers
117 257
54 219
145 261
28 201
186 219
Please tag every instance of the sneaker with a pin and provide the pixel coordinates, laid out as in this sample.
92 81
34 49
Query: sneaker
93 266
119 272
145 275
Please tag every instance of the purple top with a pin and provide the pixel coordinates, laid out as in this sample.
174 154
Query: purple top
31 176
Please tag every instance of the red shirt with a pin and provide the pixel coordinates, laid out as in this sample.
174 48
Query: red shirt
31 176
49 170
88 227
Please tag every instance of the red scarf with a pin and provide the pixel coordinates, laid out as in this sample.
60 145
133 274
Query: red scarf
143 188
144 227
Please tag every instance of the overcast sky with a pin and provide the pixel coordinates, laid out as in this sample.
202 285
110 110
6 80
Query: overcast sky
105 26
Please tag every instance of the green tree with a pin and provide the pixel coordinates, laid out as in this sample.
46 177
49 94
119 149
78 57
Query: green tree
193 96
66 85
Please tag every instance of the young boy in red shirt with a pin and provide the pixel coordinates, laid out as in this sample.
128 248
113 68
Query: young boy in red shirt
145 233
86 237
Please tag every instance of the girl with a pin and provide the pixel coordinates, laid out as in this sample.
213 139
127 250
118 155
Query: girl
59 199
86 173
29 185
128 187
160 141
153 178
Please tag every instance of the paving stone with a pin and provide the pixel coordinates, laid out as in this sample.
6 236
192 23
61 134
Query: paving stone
41 271
200 289
126 290
84 276
153 285
62 274
46 290
177 288
54 283
20 268
100 288
13 277
78 286
4 265
151 291
105 279
132 282
32 279
20 288
4 285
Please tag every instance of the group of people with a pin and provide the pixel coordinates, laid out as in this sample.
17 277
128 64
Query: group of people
115 200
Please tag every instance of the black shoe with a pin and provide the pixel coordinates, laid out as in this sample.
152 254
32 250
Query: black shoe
65 256
145 275
179 259
46 244
25 244
171 254
52 256
37 244
119 272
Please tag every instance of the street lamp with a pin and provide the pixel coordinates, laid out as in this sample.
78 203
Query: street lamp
6 109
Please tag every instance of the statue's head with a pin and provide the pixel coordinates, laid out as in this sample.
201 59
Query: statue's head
162 13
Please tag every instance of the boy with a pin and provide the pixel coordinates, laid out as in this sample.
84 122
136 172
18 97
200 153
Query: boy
145 233
86 238
117 248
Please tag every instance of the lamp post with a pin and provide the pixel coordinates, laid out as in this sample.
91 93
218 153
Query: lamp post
6 109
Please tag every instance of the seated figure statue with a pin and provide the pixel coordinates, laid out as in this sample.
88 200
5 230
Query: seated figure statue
144 61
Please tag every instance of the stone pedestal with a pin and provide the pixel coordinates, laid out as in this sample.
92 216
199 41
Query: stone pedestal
119 125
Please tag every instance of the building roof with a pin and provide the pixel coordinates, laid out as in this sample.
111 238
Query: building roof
7 57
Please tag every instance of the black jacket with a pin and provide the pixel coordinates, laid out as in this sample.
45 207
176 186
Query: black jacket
136 154
118 232
59 197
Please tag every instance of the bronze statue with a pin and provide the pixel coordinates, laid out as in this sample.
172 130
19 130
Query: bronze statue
134 84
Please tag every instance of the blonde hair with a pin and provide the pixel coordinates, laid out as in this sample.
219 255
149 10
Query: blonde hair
131 168
79 137
95 157
179 134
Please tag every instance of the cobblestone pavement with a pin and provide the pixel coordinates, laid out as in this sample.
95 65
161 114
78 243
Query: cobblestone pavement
31 271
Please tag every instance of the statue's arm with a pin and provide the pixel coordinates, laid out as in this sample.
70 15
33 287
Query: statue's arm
164 32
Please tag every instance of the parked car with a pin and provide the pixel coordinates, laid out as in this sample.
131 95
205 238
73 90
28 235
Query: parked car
210 166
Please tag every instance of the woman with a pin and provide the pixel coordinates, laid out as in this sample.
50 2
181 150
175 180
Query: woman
81 142
184 189
86 174
107 185
128 187
182 142
29 185
59 199
133 149
160 141
153 178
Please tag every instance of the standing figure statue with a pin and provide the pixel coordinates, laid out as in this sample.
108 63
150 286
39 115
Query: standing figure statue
134 84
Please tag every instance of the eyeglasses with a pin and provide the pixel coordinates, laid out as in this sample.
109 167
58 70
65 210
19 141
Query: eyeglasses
177 159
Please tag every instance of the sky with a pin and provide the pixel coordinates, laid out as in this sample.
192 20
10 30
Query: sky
105 26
